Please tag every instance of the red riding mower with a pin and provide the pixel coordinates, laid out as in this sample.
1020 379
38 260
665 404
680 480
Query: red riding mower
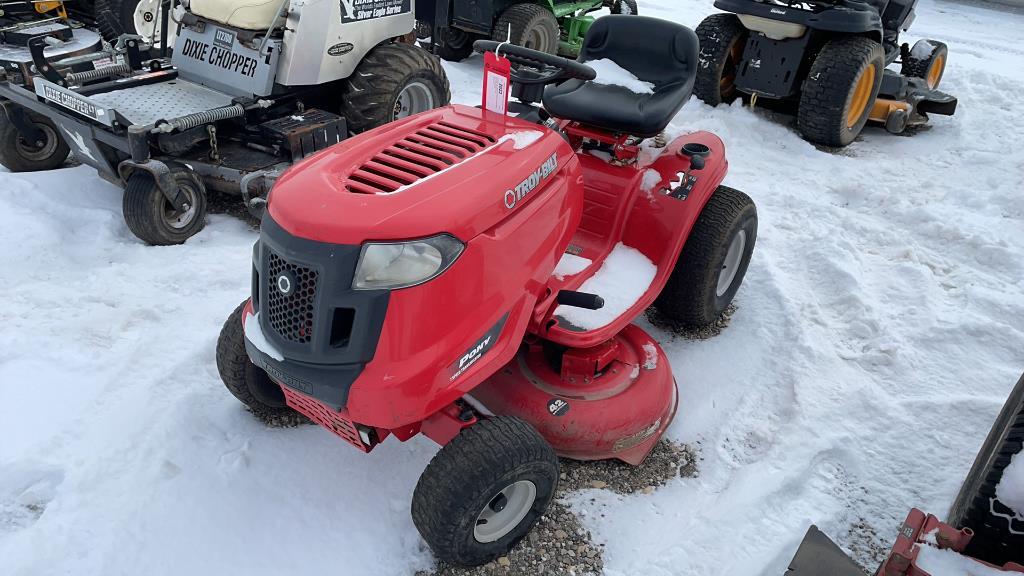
473 277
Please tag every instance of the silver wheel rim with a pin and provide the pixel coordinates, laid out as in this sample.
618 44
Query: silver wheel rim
538 39
732 262
413 99
38 152
505 511
179 220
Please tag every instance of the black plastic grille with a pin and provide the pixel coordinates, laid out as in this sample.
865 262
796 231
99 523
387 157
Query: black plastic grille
291 315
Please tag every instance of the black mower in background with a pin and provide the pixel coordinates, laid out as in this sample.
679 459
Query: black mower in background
978 526
827 59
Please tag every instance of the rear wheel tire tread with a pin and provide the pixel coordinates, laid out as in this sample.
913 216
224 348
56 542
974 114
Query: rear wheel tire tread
920 67
372 89
690 296
827 92
716 35
14 161
524 17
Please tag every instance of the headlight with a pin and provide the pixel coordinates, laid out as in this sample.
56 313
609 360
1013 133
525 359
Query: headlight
404 264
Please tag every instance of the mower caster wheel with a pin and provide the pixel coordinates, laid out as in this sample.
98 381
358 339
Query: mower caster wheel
722 39
19 155
484 491
926 60
392 82
532 26
713 262
246 381
840 90
896 122
153 218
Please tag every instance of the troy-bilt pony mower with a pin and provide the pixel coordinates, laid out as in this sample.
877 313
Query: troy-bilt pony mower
473 277
826 58
552 26
252 86
982 536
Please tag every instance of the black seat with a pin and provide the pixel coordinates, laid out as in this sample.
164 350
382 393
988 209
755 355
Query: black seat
656 51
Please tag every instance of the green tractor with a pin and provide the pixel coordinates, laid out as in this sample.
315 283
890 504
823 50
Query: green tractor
448 28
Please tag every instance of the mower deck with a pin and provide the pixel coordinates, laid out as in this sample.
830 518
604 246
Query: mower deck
15 58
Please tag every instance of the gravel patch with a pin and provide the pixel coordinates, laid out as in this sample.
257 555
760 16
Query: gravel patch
559 545
677 330
287 419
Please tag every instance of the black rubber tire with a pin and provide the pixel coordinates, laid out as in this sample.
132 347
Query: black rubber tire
144 207
246 381
627 7
457 45
828 90
532 26
17 155
123 12
993 540
921 67
720 37
690 297
467 474
372 91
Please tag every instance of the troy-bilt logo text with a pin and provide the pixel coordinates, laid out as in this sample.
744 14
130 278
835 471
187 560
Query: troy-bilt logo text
68 101
512 197
220 57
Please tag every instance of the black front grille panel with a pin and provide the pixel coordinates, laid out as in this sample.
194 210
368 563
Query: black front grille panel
290 302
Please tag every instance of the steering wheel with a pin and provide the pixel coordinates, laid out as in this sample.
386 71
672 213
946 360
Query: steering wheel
547 68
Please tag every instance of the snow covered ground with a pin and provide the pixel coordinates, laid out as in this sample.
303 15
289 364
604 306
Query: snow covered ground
879 330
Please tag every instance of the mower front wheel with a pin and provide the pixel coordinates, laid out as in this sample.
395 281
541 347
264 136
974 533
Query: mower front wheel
247 382
713 262
926 60
393 81
840 90
722 39
18 154
485 490
153 218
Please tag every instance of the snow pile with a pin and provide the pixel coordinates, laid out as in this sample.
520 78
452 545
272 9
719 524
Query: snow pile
254 334
1010 490
570 265
622 280
945 562
922 49
650 180
522 138
611 74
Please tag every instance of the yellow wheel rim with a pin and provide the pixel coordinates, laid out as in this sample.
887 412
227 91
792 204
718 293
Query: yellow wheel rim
861 94
935 72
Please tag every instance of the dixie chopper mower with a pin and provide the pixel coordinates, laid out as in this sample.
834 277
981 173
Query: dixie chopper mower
252 86
473 277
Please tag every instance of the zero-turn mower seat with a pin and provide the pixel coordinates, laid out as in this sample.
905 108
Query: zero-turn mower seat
656 51
244 14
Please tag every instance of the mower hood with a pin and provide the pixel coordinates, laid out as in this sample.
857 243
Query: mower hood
458 170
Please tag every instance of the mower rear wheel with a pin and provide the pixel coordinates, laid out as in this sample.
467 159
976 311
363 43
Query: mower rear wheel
153 218
532 26
930 68
393 81
722 40
247 382
998 533
19 155
840 90
485 490
714 260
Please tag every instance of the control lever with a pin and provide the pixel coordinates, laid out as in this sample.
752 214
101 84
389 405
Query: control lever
580 299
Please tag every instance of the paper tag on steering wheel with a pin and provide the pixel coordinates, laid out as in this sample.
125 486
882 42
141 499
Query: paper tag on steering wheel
497 72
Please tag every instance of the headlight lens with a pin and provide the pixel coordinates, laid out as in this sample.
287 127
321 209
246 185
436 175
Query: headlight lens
403 264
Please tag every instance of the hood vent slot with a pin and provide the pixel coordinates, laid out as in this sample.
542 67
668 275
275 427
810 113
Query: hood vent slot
419 155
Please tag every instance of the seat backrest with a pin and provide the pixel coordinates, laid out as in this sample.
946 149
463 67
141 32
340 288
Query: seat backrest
654 50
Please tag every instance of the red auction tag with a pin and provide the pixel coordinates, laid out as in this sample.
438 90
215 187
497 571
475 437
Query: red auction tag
497 71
